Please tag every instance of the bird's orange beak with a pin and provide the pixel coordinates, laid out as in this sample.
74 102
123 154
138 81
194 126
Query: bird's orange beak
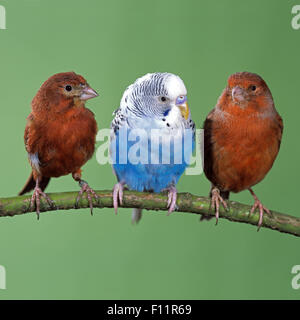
88 93
184 109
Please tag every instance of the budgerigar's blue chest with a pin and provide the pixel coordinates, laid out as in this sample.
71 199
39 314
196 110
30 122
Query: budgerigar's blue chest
146 165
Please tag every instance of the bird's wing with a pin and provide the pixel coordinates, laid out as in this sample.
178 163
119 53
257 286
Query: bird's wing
31 144
208 145
118 122
280 125
28 136
191 125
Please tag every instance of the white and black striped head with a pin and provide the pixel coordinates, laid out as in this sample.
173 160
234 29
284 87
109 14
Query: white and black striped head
161 96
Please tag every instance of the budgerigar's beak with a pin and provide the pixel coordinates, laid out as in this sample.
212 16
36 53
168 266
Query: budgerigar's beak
181 103
88 93
184 109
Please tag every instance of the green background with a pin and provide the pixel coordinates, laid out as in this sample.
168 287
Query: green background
71 255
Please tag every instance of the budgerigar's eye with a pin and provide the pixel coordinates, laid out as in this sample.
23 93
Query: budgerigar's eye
68 88
163 99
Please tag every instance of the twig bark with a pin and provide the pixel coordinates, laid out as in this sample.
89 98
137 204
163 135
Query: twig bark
186 202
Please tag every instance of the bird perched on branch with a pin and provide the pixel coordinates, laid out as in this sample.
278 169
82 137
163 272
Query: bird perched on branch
242 136
60 135
155 112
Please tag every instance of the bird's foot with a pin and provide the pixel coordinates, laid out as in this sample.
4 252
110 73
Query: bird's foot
172 197
118 195
36 200
85 188
215 202
261 207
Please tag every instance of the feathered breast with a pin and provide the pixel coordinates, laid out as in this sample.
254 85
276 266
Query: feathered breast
64 142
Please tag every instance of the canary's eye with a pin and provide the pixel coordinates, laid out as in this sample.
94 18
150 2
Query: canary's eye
253 88
163 99
68 88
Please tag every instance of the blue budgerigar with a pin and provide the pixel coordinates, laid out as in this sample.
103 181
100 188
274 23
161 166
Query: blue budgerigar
153 115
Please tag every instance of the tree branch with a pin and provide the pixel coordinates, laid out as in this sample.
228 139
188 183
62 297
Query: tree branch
150 201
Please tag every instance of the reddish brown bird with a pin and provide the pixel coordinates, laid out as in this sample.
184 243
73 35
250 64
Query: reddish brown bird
60 135
242 136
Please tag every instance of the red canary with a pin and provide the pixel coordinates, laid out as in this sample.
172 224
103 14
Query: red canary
242 136
60 135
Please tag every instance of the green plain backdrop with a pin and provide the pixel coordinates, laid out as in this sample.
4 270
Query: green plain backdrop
72 255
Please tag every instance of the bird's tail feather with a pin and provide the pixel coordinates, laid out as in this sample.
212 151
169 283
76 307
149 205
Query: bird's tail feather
30 184
136 215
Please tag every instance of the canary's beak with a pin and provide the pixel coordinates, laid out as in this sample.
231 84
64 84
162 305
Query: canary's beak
238 94
88 93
